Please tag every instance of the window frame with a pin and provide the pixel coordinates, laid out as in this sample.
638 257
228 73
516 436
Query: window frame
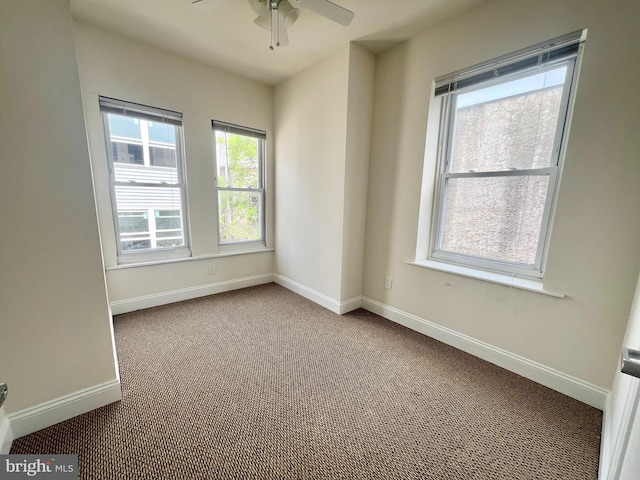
220 126
150 114
447 89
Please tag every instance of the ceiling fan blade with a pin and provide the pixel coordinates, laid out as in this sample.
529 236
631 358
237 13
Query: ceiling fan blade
279 35
263 21
260 7
327 9
288 14
282 32
206 5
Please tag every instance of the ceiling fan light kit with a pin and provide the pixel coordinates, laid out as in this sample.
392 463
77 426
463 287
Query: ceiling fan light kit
278 15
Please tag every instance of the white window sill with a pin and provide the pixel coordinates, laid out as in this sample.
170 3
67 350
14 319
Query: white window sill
239 248
189 259
493 277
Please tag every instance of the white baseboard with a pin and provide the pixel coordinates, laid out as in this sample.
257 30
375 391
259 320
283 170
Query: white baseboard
63 408
563 383
6 435
320 298
350 305
621 410
148 301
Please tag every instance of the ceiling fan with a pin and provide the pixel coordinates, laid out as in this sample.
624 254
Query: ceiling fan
278 15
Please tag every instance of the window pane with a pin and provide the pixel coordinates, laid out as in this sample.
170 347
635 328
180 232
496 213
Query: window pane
133 222
168 220
162 157
158 209
134 230
127 153
239 216
237 160
508 126
495 217
162 133
121 126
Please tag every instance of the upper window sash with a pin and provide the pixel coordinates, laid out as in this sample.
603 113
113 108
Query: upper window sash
180 180
449 106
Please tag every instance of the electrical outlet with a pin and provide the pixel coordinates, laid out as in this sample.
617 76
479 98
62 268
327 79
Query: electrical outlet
388 282
212 269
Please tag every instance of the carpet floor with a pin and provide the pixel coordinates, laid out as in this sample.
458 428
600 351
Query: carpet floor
261 383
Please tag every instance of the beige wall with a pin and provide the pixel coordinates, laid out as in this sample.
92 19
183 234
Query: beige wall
593 255
356 171
55 334
323 120
310 116
118 67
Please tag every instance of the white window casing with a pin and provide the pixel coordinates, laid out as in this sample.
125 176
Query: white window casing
147 181
247 218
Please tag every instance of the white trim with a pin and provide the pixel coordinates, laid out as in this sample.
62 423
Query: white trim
63 408
156 299
527 284
6 435
339 307
615 438
549 377
604 464
350 305
231 253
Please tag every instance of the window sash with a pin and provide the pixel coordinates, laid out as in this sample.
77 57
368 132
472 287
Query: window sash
261 202
450 101
488 263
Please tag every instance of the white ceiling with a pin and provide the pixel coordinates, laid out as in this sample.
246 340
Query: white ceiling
226 36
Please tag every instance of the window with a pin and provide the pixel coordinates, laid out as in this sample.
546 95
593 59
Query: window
503 129
240 158
148 189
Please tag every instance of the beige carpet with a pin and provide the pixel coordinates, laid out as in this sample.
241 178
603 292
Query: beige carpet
263 384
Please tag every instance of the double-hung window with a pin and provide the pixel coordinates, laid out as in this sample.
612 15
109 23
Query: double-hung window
503 131
239 182
146 173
